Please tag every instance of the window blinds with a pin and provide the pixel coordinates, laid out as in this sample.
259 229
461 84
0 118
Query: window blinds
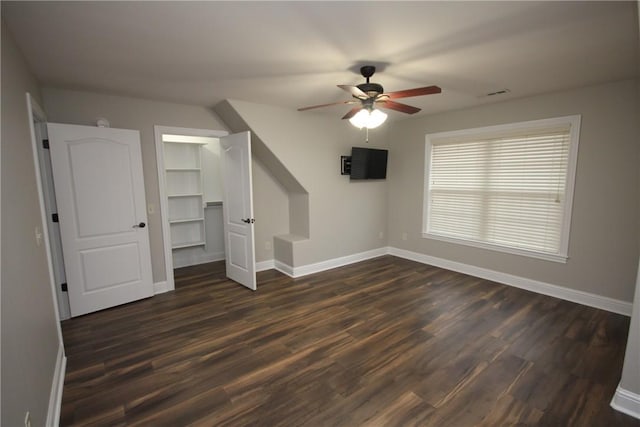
507 190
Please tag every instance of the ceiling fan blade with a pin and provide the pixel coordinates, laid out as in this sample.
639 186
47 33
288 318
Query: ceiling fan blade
392 105
352 112
350 101
419 91
354 90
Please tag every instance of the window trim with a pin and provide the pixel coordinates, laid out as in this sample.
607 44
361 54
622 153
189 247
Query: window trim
482 132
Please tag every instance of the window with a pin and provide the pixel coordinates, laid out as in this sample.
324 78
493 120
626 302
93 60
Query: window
507 188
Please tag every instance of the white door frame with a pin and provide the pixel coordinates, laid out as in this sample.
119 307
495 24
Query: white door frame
36 114
162 187
50 207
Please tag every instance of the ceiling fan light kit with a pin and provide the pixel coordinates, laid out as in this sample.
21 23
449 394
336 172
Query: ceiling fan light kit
369 119
370 98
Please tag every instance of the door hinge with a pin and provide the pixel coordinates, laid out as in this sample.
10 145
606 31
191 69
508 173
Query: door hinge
45 144
64 288
54 217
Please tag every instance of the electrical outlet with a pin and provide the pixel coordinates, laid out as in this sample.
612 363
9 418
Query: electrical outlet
404 236
381 235
267 245
27 419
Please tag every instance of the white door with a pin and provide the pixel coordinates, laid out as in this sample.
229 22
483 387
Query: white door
237 208
97 175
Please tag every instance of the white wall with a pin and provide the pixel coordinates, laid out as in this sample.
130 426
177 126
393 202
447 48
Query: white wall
603 246
211 174
271 210
30 341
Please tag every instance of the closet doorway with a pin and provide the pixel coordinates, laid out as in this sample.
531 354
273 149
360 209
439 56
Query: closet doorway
202 216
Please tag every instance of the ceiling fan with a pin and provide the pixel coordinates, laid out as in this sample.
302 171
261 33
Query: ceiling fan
370 96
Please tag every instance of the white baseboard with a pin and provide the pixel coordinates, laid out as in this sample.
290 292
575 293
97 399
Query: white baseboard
160 287
198 259
265 265
317 267
55 397
626 402
580 297
337 262
283 268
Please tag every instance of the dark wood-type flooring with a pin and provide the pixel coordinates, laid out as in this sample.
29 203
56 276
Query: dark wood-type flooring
385 342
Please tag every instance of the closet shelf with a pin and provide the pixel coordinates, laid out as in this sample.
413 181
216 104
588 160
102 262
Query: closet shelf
187 245
181 221
185 195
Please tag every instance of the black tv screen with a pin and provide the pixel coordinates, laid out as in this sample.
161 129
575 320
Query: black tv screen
368 163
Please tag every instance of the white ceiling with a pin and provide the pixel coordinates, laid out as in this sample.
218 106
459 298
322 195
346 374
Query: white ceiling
292 54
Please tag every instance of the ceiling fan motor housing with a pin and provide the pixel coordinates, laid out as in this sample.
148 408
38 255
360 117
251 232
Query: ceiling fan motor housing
371 89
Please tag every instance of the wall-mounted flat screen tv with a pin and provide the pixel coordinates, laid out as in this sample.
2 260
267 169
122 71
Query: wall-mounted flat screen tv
368 163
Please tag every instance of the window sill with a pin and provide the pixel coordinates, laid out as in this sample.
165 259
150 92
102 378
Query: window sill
513 251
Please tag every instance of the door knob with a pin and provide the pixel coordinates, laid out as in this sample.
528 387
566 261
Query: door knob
141 225
248 220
